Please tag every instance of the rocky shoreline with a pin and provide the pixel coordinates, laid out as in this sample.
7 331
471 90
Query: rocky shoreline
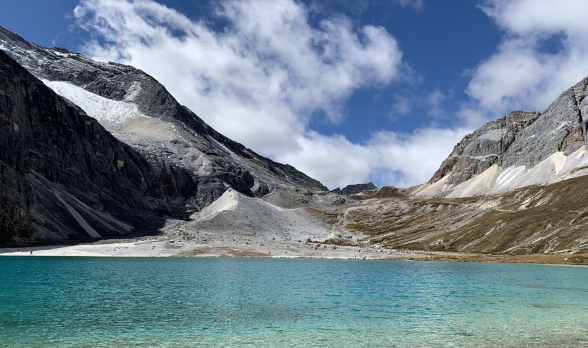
230 245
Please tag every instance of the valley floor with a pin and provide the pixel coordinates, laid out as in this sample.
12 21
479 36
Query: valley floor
215 245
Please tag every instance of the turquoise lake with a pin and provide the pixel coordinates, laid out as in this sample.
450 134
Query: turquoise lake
231 302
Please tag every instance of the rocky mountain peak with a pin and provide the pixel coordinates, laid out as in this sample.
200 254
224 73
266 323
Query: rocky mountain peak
519 149
114 148
354 189
142 113
480 150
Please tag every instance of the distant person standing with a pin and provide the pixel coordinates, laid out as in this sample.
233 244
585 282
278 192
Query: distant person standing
31 253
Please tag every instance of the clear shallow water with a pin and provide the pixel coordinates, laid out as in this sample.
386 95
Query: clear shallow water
177 302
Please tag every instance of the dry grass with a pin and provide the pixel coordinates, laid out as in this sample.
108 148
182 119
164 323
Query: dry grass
330 218
530 220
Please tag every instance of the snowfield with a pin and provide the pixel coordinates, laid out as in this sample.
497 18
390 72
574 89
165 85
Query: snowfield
106 111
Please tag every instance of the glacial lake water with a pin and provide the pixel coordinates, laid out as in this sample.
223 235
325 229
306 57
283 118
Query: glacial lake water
231 302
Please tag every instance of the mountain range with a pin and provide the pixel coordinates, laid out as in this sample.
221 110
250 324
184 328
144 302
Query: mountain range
93 150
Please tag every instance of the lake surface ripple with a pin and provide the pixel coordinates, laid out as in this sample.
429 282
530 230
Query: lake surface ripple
231 302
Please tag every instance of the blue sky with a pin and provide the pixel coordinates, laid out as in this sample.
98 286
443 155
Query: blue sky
347 91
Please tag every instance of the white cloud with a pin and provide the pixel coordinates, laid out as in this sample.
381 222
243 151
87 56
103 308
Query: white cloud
416 155
429 102
260 79
542 53
402 159
434 100
417 4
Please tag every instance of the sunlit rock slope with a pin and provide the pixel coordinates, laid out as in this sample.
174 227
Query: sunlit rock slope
518 150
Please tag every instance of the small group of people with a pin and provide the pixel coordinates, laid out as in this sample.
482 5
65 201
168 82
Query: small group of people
19 251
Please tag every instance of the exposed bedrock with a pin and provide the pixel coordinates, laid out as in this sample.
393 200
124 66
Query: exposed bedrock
215 156
63 176
483 148
520 141
354 189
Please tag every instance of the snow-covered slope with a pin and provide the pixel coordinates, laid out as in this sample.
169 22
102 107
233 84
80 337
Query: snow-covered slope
108 112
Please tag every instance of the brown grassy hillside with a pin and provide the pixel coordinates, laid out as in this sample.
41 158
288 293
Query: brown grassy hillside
530 220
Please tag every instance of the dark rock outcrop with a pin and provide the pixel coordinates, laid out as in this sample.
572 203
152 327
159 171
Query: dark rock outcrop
63 176
354 189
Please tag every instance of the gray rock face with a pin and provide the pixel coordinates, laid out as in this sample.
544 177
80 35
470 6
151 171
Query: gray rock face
521 138
176 164
521 149
354 189
229 160
562 127
483 148
63 176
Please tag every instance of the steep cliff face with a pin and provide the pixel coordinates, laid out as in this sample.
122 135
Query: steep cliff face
518 150
146 157
63 176
139 111
483 148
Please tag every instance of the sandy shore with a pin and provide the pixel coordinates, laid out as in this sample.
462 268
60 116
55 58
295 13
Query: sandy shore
212 247
215 245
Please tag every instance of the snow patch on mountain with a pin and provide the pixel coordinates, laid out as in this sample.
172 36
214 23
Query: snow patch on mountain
106 111
497 180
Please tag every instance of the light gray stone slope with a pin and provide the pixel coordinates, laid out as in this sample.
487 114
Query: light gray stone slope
520 149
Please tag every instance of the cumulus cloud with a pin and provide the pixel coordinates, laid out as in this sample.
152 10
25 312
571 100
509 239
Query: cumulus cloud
404 159
542 53
260 79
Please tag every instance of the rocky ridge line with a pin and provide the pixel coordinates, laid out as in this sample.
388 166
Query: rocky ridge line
354 189
175 163
229 160
518 150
